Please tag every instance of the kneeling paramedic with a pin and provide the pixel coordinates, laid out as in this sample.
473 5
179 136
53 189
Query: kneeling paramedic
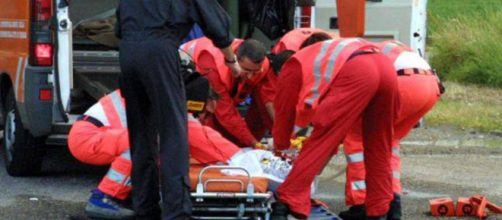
330 85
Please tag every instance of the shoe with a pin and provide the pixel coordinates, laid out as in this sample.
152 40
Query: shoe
279 211
355 212
104 206
276 167
395 211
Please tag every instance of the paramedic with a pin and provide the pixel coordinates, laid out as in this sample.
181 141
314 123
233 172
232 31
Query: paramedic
292 41
151 32
245 132
418 92
331 84
100 138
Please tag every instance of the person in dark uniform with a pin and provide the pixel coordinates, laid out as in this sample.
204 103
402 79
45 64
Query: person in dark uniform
152 86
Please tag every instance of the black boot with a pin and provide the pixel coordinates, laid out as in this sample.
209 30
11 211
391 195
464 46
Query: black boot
395 211
356 212
279 211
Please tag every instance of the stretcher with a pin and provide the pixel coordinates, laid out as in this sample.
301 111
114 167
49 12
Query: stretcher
218 196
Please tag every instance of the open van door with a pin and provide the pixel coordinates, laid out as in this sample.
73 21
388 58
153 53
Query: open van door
64 71
418 26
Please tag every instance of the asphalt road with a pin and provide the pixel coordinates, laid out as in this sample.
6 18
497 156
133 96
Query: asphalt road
435 162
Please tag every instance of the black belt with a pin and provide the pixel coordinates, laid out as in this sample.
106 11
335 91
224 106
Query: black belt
361 52
411 71
90 119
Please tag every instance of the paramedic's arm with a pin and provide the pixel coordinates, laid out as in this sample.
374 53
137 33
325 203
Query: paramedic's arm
226 113
286 97
215 23
267 93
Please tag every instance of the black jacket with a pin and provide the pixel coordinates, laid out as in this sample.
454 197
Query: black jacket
174 19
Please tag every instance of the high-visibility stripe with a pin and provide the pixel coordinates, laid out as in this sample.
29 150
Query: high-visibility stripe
115 176
334 55
317 70
331 65
126 155
396 174
388 48
358 185
119 107
18 74
395 151
355 158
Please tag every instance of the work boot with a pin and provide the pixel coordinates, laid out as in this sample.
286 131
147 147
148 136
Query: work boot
104 206
280 211
395 212
355 212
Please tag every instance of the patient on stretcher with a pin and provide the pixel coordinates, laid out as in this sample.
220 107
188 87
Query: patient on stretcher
208 147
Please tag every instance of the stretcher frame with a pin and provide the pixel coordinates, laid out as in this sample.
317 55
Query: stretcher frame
230 205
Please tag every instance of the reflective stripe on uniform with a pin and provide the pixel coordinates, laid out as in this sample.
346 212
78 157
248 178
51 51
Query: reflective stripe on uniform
395 151
126 155
354 158
119 107
331 65
358 185
317 70
115 176
396 174
388 47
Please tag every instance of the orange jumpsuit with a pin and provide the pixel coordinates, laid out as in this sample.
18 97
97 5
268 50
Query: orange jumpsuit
330 85
226 118
418 92
100 138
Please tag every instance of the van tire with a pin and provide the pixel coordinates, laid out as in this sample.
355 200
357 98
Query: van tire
23 153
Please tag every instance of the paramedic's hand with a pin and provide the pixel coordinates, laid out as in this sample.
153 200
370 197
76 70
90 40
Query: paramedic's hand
234 66
297 143
261 146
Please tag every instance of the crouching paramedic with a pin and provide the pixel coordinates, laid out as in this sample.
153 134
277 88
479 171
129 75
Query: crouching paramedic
419 90
233 90
100 137
330 85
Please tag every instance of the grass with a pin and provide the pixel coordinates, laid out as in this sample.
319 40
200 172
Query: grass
468 106
464 40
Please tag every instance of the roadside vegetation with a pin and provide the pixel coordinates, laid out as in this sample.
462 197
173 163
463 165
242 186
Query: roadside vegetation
465 46
465 40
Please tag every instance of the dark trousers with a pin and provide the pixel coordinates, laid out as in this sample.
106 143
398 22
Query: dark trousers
152 86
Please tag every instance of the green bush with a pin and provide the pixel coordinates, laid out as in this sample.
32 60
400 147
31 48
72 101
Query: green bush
465 43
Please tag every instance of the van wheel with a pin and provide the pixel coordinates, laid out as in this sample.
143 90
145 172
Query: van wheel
23 153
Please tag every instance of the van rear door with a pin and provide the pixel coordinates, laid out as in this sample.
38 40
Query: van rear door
64 55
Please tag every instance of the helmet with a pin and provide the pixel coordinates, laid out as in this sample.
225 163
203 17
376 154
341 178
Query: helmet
196 85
